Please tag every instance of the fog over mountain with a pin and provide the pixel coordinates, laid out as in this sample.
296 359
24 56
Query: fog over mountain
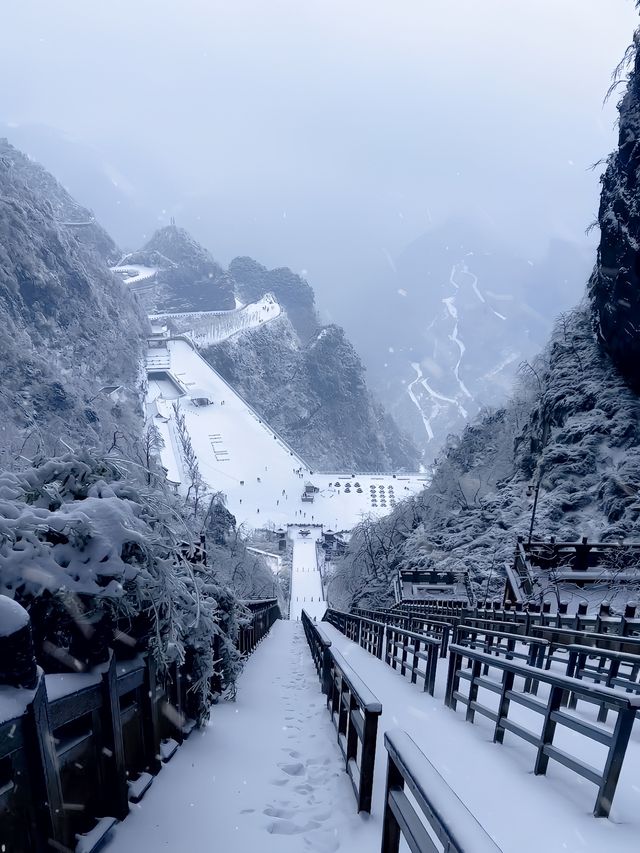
329 138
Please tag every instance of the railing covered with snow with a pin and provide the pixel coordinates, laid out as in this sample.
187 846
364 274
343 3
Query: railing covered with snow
84 746
562 638
365 632
439 817
354 711
320 645
419 624
415 654
617 670
476 667
264 612
78 747
528 615
529 650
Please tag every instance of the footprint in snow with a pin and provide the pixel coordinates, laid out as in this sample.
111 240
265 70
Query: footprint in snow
296 769
322 841
288 827
272 811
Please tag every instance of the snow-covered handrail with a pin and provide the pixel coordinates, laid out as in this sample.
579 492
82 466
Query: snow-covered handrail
354 710
264 612
418 624
447 817
475 667
397 646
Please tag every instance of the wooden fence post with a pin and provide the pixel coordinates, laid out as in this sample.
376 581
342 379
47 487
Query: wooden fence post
381 635
150 723
613 765
326 671
44 773
367 761
390 826
113 759
548 730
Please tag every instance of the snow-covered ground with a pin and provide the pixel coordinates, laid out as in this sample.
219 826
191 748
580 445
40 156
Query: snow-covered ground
522 812
206 328
265 775
306 582
239 454
135 273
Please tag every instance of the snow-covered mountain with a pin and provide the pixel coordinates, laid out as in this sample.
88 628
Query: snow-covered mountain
453 322
306 380
562 457
315 395
70 332
185 276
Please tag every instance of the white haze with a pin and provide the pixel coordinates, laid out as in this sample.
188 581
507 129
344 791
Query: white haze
322 135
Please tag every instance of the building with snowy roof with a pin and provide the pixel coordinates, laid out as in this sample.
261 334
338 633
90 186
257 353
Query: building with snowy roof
574 575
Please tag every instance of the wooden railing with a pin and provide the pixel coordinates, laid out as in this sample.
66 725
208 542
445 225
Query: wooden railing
562 638
320 645
87 744
409 651
560 686
528 615
617 670
354 711
264 612
418 624
439 817
413 653
530 650
365 632
119 725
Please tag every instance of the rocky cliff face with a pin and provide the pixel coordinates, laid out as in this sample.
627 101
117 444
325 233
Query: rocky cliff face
291 290
187 279
307 381
615 284
573 425
75 221
68 327
315 395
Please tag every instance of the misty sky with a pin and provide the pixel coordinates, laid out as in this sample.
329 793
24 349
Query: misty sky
324 135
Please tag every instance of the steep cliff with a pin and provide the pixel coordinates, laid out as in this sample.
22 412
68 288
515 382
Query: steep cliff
187 278
315 395
68 327
615 284
292 292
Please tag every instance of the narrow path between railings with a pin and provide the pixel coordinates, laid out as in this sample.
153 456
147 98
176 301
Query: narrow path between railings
266 774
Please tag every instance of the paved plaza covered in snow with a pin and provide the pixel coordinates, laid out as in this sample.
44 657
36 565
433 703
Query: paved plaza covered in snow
239 454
